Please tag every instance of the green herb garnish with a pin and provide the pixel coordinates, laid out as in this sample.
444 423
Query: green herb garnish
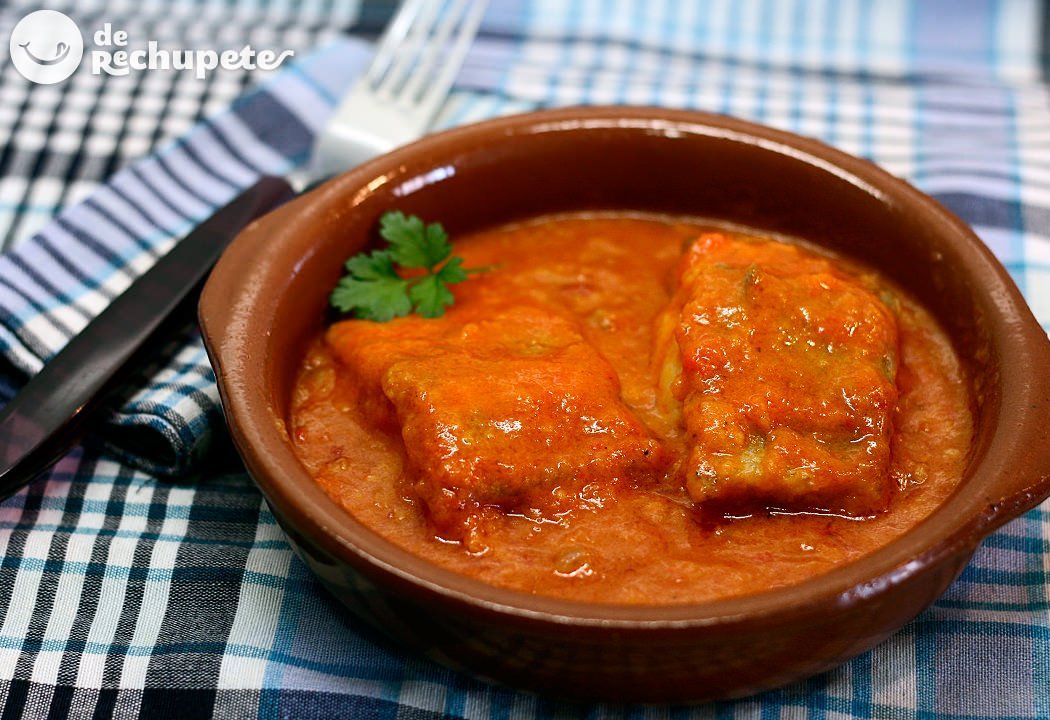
374 289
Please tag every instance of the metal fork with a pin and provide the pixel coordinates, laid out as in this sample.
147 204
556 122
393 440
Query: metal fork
404 87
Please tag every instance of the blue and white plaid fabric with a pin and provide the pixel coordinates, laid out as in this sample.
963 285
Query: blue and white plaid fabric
123 594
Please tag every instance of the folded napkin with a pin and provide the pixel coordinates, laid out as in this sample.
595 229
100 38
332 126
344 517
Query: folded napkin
55 282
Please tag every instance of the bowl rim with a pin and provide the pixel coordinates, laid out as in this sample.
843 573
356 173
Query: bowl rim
234 332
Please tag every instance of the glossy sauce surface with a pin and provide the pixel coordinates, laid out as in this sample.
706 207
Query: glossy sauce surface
422 429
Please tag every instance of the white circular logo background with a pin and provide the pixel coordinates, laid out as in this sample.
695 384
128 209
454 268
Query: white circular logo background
46 46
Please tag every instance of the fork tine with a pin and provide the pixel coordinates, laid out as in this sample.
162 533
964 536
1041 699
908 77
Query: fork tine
425 65
429 55
392 38
402 90
437 91
408 52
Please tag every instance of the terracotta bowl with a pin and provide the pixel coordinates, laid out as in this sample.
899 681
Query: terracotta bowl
267 297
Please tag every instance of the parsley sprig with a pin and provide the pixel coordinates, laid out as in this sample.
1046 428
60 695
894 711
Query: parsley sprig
373 288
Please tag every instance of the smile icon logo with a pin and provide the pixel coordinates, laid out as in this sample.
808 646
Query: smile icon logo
46 47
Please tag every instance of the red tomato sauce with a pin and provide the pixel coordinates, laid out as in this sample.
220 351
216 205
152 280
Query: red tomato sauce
566 427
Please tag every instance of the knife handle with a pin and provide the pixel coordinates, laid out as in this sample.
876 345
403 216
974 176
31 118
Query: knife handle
44 420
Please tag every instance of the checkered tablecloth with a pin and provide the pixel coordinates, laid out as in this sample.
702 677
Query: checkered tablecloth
144 576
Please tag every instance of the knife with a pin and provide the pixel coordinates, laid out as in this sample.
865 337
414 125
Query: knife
45 419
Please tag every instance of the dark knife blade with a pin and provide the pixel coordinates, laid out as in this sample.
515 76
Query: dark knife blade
45 418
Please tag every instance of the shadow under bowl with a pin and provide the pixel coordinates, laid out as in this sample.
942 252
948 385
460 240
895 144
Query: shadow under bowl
267 297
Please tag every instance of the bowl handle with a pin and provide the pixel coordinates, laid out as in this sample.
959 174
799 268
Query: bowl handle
1027 429
233 277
